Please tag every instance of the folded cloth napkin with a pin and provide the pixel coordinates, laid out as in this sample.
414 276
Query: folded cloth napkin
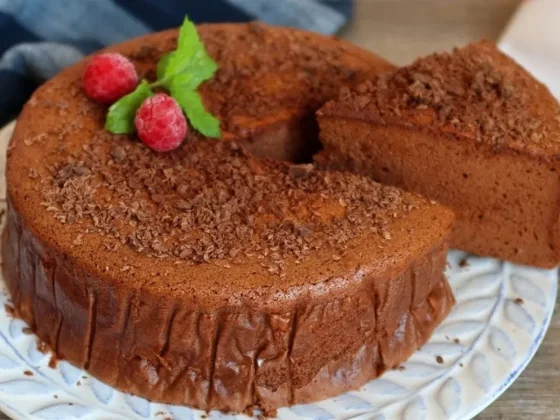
532 39
40 37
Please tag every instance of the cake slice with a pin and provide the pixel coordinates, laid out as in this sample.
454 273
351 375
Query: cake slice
470 129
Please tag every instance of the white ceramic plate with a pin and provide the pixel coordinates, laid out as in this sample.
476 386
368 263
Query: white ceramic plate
501 316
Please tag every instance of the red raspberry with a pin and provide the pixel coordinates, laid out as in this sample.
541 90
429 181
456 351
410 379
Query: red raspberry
160 123
108 77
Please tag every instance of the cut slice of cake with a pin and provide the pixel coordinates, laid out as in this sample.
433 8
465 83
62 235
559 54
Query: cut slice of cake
472 130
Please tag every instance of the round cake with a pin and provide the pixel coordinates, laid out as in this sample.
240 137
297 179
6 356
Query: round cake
221 275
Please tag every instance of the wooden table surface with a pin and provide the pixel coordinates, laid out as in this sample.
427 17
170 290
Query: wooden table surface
401 30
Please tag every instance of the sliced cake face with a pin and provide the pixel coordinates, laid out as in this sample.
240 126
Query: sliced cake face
210 276
470 129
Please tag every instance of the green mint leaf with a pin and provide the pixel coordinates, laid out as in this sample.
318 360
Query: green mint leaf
200 119
190 58
188 45
162 65
195 74
120 118
188 37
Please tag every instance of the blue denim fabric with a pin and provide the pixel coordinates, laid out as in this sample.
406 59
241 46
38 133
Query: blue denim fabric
40 37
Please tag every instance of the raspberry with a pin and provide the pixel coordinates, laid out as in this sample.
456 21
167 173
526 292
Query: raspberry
108 77
160 123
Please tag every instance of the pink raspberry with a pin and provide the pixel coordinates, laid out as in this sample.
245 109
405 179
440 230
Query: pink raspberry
108 77
160 123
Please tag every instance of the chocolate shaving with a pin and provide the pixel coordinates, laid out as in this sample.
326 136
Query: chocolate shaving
118 153
301 171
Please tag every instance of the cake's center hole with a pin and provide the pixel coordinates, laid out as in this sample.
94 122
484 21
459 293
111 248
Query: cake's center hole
309 140
295 142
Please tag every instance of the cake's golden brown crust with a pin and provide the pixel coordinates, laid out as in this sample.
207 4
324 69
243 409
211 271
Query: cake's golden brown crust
198 325
472 130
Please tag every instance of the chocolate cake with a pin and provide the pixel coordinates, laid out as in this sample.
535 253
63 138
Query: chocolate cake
470 129
214 276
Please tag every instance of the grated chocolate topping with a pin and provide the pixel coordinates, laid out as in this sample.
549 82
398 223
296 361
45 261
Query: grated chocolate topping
476 91
212 202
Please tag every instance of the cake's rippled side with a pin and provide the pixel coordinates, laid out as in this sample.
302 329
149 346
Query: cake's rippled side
168 351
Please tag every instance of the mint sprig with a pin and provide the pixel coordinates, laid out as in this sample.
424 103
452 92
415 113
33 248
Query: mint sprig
120 118
202 121
162 65
180 72
190 57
